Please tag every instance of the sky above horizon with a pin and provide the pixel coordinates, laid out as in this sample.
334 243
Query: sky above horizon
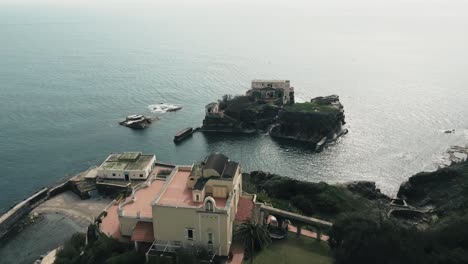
355 8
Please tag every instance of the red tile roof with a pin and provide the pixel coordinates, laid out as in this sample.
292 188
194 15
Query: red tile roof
244 209
143 232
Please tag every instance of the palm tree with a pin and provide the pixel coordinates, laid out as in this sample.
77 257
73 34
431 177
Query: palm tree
252 235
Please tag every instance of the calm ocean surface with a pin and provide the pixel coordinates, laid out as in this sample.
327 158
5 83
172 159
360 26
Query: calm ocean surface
69 73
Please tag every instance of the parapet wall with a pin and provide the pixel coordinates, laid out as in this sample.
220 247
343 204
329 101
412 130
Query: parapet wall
18 211
15 214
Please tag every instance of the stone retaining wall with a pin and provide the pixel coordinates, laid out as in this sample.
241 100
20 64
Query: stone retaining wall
15 214
18 211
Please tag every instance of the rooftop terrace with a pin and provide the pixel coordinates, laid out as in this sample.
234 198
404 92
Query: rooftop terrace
142 200
127 161
178 194
144 196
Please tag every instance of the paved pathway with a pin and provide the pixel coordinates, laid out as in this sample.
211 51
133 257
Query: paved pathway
70 205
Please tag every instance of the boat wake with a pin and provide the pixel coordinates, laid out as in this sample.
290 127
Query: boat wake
163 108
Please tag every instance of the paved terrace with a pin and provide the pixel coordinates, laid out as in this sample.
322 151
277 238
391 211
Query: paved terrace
143 196
142 200
178 194
244 209
110 224
142 203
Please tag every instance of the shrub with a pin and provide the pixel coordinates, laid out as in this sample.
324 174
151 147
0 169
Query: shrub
127 257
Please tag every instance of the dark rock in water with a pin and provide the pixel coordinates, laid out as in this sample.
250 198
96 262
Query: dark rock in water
310 122
137 121
453 155
445 189
366 189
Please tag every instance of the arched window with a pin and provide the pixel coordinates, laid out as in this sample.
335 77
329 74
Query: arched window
209 206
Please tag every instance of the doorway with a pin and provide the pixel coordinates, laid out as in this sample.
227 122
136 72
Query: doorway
127 178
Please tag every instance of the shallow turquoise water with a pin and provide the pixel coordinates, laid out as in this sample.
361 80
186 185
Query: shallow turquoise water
69 73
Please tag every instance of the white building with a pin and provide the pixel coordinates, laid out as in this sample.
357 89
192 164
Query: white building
127 166
272 90
212 109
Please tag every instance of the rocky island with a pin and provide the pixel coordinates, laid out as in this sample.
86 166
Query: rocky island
269 107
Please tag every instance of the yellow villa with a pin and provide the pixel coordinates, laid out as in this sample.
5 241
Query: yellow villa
183 206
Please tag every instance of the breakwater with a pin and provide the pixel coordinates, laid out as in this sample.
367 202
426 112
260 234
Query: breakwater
17 212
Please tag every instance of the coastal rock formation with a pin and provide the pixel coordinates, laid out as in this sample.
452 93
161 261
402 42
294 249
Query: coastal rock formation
321 200
365 189
239 114
322 117
453 155
444 190
312 121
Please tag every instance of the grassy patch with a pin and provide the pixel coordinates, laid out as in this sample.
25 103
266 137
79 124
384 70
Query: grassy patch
310 107
296 250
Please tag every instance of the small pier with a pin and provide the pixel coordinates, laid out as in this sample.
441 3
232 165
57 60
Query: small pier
184 134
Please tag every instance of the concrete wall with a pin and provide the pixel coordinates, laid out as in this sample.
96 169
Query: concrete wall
283 86
210 172
171 224
272 84
127 224
15 214
133 174
59 189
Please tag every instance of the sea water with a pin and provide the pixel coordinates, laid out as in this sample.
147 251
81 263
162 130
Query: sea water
69 72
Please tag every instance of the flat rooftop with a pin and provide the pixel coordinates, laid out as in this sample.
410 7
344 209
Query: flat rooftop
269 81
110 224
144 197
127 161
178 194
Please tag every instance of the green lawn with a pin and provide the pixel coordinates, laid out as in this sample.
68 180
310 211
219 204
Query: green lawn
310 107
295 250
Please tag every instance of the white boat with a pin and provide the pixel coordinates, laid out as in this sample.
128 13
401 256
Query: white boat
163 108
135 117
136 121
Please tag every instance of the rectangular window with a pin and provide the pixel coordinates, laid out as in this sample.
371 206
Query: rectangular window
198 197
141 175
210 238
190 234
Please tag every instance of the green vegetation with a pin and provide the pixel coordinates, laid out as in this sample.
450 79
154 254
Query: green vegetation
295 249
101 249
312 107
308 122
253 236
312 199
358 239
446 190
106 250
245 110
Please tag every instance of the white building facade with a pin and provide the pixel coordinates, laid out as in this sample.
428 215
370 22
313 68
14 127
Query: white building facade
272 90
127 166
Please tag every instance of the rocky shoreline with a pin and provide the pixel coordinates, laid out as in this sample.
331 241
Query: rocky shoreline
321 119
425 200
